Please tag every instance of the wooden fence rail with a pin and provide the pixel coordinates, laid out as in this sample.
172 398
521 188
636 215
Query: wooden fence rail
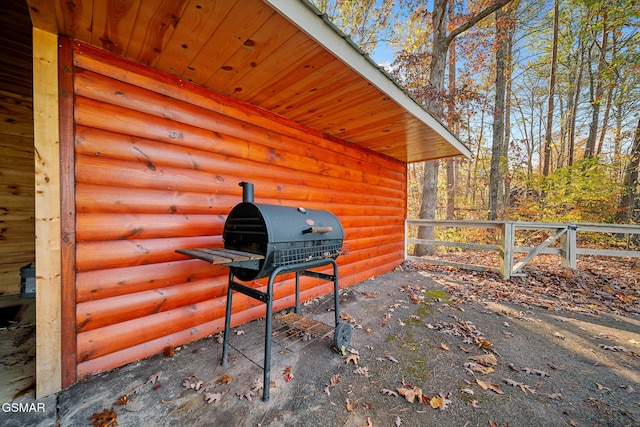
564 233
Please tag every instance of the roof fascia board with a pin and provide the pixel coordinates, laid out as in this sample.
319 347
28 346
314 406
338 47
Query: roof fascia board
302 14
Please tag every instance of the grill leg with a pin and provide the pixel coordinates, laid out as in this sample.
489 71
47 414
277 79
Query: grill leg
227 322
266 384
298 309
336 291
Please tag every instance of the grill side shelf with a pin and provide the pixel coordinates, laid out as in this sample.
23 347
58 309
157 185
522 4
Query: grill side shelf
219 255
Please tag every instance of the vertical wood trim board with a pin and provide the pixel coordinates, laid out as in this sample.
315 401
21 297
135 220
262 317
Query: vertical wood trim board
47 211
67 212
157 166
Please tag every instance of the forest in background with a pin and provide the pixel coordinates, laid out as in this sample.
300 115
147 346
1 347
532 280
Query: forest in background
545 94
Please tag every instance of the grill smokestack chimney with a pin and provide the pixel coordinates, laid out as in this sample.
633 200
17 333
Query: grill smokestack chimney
247 191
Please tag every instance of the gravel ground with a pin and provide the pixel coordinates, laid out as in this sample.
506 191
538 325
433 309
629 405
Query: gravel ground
469 356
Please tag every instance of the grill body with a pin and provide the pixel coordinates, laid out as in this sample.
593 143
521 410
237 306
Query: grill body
283 235
262 240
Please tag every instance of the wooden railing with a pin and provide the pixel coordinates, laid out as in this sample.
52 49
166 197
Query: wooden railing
564 233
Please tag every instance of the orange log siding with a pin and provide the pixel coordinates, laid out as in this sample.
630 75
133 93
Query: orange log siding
157 166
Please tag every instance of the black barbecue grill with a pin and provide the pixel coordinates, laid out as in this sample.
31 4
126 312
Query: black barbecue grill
262 240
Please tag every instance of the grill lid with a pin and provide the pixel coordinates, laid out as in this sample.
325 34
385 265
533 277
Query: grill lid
284 235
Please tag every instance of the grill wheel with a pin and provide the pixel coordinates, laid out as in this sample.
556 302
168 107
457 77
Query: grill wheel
342 337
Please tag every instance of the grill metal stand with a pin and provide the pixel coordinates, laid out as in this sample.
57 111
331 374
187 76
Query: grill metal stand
342 332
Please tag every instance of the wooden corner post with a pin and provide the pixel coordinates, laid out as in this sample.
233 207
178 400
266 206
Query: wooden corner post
47 213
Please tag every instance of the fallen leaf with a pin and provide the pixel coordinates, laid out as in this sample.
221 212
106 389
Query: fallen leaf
362 371
334 380
441 401
559 335
393 359
368 423
602 388
535 372
239 332
397 422
488 385
106 418
352 358
245 394
485 359
389 392
225 379
214 397
554 396
628 388
525 388
482 343
154 377
444 346
474 404
350 405
436 402
123 400
468 391
474 367
410 394
347 318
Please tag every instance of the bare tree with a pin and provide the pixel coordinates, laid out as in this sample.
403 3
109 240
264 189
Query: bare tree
552 88
435 104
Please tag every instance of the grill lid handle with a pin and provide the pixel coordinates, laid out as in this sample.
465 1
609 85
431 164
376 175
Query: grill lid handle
317 230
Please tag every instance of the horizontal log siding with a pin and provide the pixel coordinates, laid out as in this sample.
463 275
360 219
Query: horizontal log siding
158 162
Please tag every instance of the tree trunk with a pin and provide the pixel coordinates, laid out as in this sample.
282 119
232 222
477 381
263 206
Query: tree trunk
451 120
625 214
497 147
428 207
552 89
590 150
435 103
573 114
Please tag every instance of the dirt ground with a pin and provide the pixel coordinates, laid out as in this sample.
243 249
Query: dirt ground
469 349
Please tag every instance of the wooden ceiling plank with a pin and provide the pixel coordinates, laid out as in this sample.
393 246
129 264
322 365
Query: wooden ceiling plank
113 22
262 44
327 80
154 24
292 78
278 66
353 104
306 88
199 21
340 90
230 36
392 116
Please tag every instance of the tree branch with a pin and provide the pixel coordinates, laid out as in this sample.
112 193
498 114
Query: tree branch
474 20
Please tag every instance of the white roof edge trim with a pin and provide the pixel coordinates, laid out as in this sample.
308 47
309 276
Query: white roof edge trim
301 14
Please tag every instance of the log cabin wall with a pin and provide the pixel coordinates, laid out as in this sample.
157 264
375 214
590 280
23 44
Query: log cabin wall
17 202
157 166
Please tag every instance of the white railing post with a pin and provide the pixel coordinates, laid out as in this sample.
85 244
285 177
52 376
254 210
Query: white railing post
406 239
568 251
506 254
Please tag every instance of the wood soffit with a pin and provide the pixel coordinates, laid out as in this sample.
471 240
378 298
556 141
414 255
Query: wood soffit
279 55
